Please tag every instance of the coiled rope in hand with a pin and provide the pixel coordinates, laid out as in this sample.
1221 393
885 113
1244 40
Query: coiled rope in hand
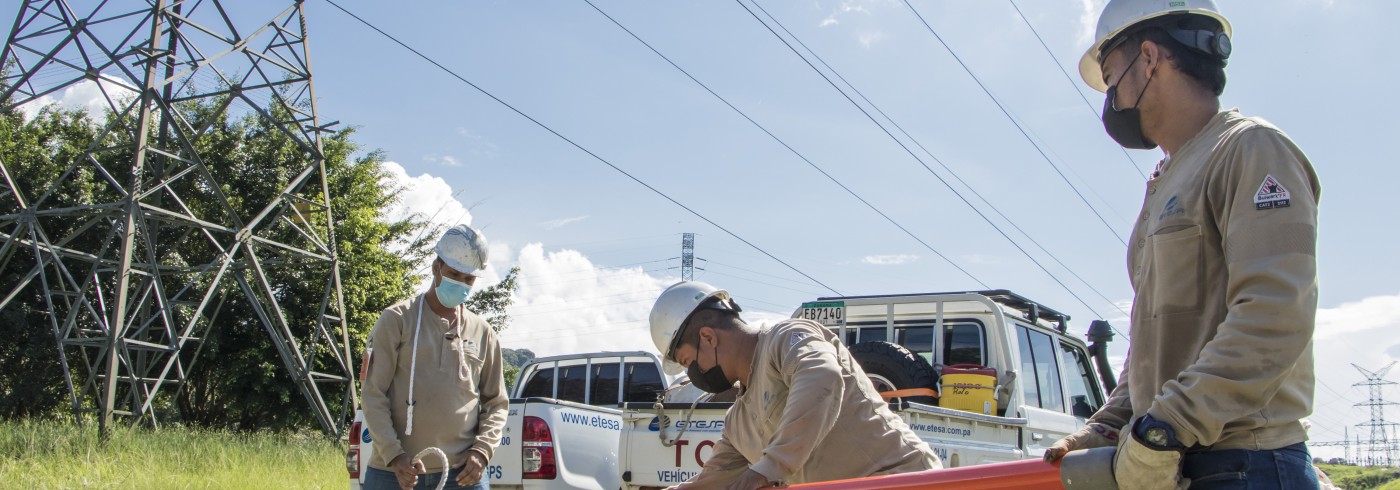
442 482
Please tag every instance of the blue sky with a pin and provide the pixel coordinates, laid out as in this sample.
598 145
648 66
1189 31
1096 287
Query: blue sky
596 247
1313 67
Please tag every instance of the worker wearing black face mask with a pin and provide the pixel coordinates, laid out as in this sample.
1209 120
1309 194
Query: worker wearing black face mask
798 385
1222 262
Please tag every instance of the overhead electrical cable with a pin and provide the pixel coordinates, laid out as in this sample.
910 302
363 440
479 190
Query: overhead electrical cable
944 166
997 101
1073 85
576 145
920 160
789 147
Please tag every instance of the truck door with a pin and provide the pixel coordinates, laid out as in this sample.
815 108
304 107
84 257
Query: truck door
1046 407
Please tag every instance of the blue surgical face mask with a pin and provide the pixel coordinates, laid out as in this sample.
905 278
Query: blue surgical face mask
451 292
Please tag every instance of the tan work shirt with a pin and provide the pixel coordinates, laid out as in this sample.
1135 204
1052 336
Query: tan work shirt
1223 263
809 414
460 393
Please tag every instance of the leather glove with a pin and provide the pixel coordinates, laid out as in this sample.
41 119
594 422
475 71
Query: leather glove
1140 467
1087 437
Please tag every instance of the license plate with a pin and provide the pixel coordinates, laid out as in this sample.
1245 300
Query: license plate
829 313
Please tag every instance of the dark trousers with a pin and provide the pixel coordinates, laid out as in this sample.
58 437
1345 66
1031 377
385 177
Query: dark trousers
1285 468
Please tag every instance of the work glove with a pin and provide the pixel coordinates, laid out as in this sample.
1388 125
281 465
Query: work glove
1140 467
1087 437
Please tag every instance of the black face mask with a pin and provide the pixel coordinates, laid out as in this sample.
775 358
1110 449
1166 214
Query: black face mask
711 380
1125 125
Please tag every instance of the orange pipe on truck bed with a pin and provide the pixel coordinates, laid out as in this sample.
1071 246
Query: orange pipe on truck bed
1030 474
1089 469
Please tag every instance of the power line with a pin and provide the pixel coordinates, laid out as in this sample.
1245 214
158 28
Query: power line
951 172
576 145
996 101
1073 85
789 147
920 160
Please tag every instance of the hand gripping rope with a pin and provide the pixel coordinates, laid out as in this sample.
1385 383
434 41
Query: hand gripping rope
442 482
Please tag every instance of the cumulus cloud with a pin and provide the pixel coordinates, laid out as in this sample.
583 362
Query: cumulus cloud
108 93
556 223
1357 316
430 198
889 259
566 304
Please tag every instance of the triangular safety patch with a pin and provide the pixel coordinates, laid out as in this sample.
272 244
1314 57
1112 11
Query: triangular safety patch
1271 194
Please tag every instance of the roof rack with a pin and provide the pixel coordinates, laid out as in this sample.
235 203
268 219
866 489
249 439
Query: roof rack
1033 311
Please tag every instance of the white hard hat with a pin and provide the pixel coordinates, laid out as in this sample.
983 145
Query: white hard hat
463 248
1119 15
671 310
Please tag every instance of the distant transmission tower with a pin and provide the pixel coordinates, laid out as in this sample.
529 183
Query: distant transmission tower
1381 449
132 278
688 257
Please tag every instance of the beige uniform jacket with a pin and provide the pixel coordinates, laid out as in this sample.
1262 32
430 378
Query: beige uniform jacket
1223 263
809 414
460 393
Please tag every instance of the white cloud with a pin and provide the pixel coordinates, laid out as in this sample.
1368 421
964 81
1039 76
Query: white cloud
88 96
1366 314
444 160
432 199
1089 20
566 304
556 223
847 7
870 38
889 259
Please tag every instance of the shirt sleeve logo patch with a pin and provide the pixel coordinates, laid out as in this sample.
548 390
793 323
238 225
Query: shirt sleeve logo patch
1271 194
797 337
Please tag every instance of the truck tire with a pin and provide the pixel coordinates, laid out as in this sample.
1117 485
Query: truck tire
892 367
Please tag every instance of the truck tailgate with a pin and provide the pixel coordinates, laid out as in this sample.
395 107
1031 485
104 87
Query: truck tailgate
647 462
964 438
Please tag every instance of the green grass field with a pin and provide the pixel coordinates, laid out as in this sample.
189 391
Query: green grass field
46 455
1363 477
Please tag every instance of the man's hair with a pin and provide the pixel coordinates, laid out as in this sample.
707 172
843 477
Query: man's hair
705 317
1206 70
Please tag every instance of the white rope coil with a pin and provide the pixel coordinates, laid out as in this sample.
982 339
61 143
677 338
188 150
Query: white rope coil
442 482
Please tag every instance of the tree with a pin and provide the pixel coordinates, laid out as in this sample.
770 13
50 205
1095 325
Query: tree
239 381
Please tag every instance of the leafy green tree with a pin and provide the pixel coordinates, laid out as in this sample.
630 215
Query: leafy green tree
239 381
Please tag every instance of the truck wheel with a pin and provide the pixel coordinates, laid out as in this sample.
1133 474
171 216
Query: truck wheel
892 367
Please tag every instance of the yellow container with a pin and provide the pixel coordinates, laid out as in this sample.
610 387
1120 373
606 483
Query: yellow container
970 388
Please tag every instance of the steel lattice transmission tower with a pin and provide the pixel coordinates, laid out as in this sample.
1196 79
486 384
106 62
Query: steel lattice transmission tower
1381 449
171 249
687 256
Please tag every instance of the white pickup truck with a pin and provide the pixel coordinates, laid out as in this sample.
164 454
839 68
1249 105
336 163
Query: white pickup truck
564 424
1045 382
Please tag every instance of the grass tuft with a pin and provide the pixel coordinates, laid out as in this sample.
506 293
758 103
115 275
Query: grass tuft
54 454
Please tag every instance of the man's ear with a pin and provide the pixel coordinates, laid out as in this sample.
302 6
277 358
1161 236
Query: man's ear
1152 55
707 333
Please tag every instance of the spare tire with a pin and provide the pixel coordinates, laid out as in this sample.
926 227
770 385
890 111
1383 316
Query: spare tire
890 366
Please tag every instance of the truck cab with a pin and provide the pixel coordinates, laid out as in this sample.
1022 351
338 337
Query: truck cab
1042 374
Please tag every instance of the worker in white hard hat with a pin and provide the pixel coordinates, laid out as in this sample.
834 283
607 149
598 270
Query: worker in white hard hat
1222 261
805 412
436 378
